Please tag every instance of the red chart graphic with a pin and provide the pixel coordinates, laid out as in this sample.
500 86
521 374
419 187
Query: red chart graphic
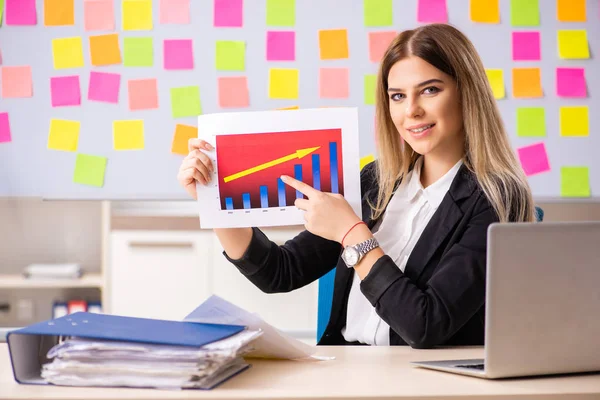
250 166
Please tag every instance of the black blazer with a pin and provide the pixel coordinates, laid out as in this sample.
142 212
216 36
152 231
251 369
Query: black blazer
438 300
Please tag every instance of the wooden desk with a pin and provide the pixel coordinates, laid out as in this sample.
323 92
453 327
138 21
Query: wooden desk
357 372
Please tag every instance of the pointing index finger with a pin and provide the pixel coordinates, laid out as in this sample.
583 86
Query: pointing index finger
299 186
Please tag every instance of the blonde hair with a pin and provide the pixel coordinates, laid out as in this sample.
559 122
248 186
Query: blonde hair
488 153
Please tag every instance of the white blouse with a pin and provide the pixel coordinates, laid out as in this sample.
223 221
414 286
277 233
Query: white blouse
407 215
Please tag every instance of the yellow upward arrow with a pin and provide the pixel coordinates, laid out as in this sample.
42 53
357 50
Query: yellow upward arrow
298 154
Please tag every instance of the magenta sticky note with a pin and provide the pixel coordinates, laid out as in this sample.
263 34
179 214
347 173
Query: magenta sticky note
570 82
432 11
20 12
178 54
4 128
534 158
281 46
65 91
228 13
526 46
104 86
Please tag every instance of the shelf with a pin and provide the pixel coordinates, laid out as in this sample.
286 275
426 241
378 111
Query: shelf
19 282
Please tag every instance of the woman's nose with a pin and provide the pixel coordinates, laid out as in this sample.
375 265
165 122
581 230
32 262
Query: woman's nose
413 109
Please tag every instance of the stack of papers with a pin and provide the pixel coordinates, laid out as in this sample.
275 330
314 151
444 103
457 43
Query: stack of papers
53 271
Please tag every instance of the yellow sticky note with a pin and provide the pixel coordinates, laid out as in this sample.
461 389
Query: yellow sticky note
63 135
67 53
183 133
496 79
128 135
366 160
137 15
283 83
289 108
571 10
527 82
59 12
574 121
485 11
573 44
105 50
333 44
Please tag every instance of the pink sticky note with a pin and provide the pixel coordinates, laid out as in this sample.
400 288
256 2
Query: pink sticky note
143 94
534 158
16 81
104 87
281 46
178 54
65 91
570 82
99 15
526 46
333 83
228 13
4 128
432 11
378 44
20 12
0 56
174 11
233 92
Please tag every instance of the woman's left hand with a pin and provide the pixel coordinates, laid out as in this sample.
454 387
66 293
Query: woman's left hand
327 215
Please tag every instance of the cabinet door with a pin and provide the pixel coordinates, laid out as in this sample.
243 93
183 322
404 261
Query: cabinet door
158 274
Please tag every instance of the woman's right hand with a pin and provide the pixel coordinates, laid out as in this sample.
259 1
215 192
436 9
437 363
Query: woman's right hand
196 166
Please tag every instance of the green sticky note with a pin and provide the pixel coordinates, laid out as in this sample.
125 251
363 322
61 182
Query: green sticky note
531 122
370 84
1 11
281 12
89 170
575 182
378 12
524 12
185 102
230 55
138 52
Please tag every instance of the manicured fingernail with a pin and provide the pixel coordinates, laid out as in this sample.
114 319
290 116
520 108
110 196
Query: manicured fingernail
284 178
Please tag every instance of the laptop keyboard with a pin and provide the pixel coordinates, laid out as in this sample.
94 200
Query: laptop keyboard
472 366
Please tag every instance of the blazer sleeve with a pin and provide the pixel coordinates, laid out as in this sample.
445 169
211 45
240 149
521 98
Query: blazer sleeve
429 316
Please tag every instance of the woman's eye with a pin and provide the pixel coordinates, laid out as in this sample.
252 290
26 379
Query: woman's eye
431 90
396 96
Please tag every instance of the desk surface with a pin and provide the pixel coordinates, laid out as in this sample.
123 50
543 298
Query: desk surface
357 372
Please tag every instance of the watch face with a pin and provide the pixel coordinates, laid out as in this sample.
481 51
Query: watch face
350 256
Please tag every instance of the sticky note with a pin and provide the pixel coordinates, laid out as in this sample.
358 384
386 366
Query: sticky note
377 13
531 121
573 44
524 12
138 52
185 102
5 135
99 15
570 82
128 135
181 137
571 10
59 12
143 94
333 44
63 135
104 49
370 83
289 108
104 87
233 92
16 81
137 15
230 55
526 46
228 13
485 11
1 11
575 182
281 46
527 82
496 80
174 11
89 170
67 53
334 83
574 121
432 11
283 83
366 160
178 54
65 91
534 159
20 12
379 41
281 13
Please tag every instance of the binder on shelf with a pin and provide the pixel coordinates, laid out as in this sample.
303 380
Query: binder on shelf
59 309
76 306
94 307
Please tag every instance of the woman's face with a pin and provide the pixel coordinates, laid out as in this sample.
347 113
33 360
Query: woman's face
424 105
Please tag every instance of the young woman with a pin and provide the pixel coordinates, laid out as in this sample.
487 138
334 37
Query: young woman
411 269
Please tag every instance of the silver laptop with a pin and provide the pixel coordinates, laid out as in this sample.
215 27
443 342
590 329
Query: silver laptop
542 302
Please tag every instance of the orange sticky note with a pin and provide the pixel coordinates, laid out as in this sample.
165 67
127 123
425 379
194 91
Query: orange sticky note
233 92
59 12
485 11
16 81
143 94
104 49
526 82
183 133
571 10
333 44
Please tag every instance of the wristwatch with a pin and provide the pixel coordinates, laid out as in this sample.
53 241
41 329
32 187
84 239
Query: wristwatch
353 254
